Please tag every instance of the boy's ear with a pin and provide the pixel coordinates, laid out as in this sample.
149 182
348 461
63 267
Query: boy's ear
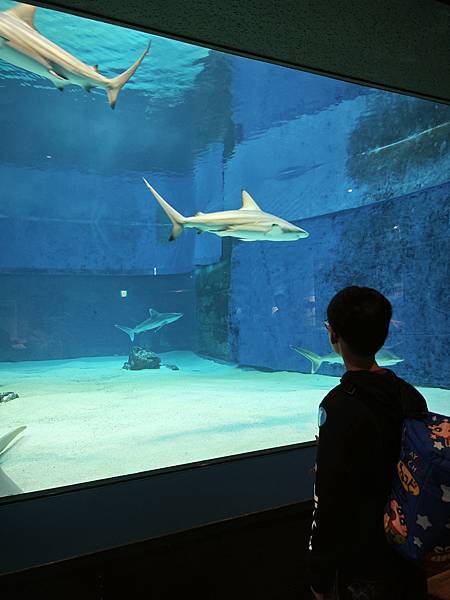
333 337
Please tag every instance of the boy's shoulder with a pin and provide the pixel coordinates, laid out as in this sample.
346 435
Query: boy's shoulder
339 401
344 398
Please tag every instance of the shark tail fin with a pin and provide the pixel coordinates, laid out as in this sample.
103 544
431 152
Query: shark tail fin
176 218
117 83
127 330
315 359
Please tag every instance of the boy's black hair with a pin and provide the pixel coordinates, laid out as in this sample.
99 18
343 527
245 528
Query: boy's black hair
361 316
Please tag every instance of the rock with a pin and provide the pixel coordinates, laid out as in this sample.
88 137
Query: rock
172 367
7 396
142 358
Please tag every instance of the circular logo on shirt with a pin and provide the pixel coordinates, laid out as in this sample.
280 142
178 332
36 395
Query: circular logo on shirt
322 417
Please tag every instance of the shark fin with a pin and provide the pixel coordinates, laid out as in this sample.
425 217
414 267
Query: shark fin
315 359
177 219
117 83
6 440
127 330
58 75
274 230
199 213
152 312
24 12
247 202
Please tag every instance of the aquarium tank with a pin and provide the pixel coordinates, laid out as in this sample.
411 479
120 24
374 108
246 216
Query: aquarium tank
150 324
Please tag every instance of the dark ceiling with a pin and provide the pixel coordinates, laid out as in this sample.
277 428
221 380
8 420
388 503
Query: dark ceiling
402 45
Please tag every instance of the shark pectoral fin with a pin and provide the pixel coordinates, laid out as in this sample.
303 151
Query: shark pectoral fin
53 73
157 329
247 202
275 230
200 231
88 88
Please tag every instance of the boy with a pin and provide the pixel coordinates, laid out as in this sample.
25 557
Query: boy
359 442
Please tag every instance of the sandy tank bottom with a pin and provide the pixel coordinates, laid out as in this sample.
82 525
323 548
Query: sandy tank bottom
89 419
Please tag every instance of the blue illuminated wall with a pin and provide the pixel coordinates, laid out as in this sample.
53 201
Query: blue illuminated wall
367 174
399 246
44 317
72 195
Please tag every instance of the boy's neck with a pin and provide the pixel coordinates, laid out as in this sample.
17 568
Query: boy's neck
353 362
350 365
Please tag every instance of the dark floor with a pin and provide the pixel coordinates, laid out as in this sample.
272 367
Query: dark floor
259 557
255 557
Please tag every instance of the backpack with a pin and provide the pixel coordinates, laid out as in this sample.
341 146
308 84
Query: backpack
417 515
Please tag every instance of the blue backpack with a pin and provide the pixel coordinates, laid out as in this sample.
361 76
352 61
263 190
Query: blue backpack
417 516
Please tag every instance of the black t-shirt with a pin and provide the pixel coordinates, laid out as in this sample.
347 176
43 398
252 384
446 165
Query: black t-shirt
359 443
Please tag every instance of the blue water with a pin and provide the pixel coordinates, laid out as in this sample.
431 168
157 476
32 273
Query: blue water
84 246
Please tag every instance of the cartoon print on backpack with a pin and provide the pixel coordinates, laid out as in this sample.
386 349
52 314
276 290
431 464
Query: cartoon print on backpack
422 489
423 521
441 430
407 479
440 554
395 523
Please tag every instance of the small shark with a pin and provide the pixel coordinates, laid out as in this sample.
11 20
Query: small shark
7 485
384 358
154 323
248 224
23 46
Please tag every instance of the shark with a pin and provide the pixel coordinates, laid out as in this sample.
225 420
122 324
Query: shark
385 358
23 46
7 485
248 224
155 322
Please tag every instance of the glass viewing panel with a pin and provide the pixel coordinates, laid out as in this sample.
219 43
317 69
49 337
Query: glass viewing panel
88 275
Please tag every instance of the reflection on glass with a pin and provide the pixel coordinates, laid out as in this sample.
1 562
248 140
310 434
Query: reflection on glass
122 351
